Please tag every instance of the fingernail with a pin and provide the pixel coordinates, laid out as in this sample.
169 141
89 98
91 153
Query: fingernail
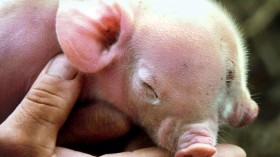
62 68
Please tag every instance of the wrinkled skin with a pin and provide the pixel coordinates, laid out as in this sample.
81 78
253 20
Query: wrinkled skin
176 69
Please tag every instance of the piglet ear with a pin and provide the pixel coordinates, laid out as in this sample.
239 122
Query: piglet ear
244 111
86 29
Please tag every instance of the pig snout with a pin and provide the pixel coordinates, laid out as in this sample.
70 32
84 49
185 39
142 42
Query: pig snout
191 140
196 142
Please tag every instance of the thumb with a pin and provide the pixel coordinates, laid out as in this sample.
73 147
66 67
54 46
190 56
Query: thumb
37 119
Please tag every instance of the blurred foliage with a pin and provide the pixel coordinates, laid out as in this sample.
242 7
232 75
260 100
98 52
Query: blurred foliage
260 22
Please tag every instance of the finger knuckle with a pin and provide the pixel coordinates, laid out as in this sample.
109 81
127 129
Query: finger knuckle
44 107
45 97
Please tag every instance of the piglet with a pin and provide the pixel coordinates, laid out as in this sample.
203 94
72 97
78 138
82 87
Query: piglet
177 68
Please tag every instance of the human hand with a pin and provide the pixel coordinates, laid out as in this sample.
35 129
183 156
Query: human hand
32 129
223 150
228 150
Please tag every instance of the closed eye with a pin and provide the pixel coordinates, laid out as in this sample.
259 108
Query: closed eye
152 95
146 85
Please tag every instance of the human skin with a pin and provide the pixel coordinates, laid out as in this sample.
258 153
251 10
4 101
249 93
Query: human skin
107 84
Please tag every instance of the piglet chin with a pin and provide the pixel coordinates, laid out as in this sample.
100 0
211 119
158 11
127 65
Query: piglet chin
197 150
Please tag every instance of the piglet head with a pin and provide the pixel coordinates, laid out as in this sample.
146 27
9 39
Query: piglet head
175 85
189 76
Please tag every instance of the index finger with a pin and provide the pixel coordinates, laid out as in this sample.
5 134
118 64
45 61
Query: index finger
145 152
229 150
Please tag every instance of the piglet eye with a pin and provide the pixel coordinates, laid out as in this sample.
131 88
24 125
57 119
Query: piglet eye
151 93
146 85
146 81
